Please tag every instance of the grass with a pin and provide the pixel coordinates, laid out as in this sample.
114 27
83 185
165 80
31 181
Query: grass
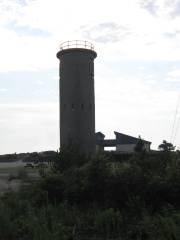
17 169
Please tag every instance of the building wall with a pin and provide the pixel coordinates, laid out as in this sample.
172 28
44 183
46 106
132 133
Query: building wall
125 148
130 147
77 104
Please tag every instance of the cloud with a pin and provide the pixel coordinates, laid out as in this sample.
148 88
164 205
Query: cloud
10 10
40 83
28 128
24 2
124 33
173 76
150 5
27 53
3 89
31 32
171 35
174 8
162 8
26 30
105 32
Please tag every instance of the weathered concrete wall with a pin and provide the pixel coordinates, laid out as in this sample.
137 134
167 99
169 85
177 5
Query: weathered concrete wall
77 101
125 148
130 147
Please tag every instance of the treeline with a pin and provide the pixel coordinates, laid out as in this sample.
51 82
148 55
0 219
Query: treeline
8 158
45 156
98 198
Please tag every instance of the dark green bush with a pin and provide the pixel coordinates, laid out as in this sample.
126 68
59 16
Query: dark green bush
98 198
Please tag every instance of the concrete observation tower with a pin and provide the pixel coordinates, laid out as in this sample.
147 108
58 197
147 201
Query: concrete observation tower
77 101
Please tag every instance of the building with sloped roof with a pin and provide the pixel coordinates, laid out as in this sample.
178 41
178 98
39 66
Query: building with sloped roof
123 143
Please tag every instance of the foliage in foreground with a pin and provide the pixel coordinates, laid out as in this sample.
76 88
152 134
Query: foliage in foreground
98 198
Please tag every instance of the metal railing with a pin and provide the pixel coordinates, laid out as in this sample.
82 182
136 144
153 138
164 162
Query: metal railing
76 44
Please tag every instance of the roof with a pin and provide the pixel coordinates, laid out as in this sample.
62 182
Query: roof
100 135
126 139
120 140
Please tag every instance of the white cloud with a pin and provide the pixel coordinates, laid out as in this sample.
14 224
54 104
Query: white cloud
174 73
3 90
162 8
40 83
120 30
123 29
173 76
28 128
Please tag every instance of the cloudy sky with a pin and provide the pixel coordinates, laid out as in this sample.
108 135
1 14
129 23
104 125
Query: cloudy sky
137 71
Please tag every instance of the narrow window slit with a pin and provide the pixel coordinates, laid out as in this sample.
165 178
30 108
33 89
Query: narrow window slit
72 106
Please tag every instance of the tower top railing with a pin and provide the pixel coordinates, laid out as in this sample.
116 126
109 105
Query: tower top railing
76 44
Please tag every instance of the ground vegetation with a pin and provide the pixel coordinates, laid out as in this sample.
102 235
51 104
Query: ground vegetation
101 197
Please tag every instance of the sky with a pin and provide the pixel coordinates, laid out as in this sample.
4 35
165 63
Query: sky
137 69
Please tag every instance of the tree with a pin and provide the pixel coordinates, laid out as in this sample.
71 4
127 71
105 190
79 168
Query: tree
166 146
140 145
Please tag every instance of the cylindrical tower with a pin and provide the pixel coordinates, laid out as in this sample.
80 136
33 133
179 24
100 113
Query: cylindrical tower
77 103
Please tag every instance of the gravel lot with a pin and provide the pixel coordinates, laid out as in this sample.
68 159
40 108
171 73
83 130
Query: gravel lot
8 176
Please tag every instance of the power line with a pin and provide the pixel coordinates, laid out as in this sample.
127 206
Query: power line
173 133
177 128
